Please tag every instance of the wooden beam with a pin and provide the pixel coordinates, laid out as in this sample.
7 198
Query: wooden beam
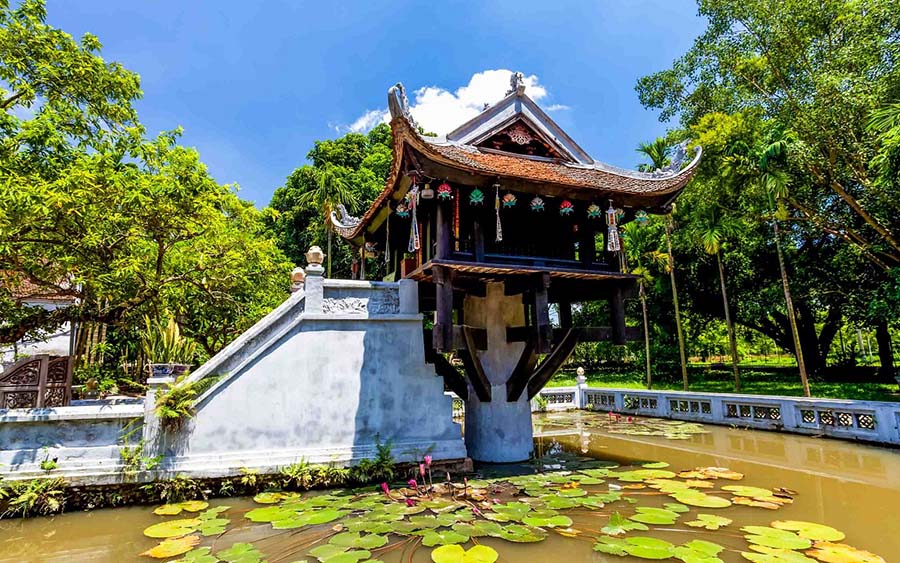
474 369
521 373
617 316
565 314
444 230
542 314
443 323
554 361
478 337
451 376
478 238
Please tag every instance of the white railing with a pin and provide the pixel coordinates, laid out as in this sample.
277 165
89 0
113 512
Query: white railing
871 421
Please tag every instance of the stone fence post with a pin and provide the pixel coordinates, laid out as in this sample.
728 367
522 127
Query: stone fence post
315 280
152 431
409 297
580 389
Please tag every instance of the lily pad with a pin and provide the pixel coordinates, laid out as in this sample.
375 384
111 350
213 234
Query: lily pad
508 512
618 525
774 555
173 528
172 547
198 555
703 500
652 515
443 537
709 521
547 519
478 528
355 540
810 530
772 537
655 465
640 475
829 552
521 534
240 553
177 508
457 554
213 526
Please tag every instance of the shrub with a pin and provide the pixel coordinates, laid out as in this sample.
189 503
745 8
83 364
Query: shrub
34 497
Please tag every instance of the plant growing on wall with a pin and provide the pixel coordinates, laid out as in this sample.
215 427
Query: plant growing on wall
164 343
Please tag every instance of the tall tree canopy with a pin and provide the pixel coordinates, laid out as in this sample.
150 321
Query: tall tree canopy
91 209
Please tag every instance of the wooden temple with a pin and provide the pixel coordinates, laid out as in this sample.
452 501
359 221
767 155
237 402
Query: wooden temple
508 197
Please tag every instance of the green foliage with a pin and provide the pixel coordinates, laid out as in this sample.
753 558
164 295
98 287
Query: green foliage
541 403
34 497
350 170
91 209
176 404
164 344
176 489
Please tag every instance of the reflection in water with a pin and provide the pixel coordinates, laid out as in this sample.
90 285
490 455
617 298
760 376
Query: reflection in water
852 487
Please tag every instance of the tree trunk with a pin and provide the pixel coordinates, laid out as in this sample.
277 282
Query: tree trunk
885 349
684 376
798 350
646 336
731 338
329 253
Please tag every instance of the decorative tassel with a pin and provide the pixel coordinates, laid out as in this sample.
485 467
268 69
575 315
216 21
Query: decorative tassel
499 237
414 224
612 237
456 220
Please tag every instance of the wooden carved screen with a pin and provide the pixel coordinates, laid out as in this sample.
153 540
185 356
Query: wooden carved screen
37 382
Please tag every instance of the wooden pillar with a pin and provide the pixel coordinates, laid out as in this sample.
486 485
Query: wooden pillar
444 231
478 236
542 326
617 316
587 253
362 262
442 336
565 314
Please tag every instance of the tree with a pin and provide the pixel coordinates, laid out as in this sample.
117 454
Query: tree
644 257
659 158
92 210
350 169
711 231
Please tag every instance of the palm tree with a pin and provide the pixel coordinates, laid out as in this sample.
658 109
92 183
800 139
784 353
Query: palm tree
658 153
331 189
643 257
774 183
711 229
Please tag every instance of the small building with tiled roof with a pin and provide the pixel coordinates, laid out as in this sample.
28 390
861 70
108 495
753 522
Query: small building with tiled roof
495 221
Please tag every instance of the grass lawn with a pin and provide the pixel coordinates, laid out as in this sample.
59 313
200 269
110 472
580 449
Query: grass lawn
754 382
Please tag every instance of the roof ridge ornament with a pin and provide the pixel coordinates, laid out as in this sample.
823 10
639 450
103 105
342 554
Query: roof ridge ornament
398 104
516 84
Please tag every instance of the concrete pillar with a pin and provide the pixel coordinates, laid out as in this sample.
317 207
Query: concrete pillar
498 431
152 431
409 297
314 285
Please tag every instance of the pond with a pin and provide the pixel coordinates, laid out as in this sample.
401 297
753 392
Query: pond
603 489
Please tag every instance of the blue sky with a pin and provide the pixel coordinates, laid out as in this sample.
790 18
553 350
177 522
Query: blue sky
255 83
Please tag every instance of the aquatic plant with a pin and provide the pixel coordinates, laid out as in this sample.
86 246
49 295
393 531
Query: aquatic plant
32 497
176 489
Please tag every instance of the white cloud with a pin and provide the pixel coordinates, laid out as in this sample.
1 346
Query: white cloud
369 120
557 107
440 111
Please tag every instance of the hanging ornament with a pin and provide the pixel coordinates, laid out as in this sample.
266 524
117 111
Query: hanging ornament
594 211
509 200
476 197
641 218
444 191
402 210
566 208
427 192
499 236
620 213
537 204
413 196
612 233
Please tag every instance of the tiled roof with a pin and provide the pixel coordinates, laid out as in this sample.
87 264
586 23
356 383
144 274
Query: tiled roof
24 290
598 177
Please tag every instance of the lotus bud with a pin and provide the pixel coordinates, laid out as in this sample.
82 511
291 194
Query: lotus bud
412 483
428 461
422 469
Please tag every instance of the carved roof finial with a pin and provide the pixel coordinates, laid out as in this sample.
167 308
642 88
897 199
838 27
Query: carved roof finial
516 84
398 103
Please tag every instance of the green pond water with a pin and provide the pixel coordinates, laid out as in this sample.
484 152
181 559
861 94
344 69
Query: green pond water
601 490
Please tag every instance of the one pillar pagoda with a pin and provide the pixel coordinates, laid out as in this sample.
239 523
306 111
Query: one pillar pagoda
496 221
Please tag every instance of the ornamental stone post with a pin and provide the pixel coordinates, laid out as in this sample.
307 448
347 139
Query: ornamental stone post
298 277
581 391
315 280
152 431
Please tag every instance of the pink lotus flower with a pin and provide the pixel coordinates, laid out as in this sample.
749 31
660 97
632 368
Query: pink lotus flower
630 419
412 483
410 502
428 461
422 469
386 489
